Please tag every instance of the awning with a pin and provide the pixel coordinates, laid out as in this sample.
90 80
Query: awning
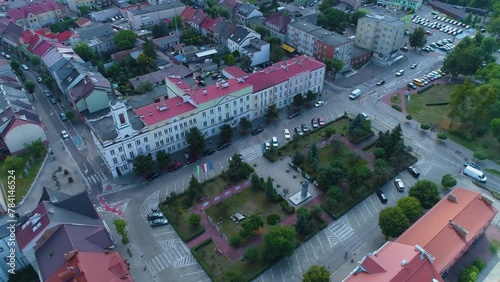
288 48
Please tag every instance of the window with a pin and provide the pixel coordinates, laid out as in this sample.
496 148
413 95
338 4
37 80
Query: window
177 137
182 134
211 111
139 150
120 149
205 124
194 120
204 114
147 148
138 142
159 134
212 121
161 142
132 154
170 130
112 152
123 157
145 139
218 109
129 145
175 127
181 126
155 135
115 161
171 138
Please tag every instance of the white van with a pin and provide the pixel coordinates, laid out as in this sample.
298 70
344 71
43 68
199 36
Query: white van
475 174
355 94
274 141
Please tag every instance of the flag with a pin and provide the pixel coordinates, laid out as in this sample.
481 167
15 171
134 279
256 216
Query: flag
198 170
204 167
211 164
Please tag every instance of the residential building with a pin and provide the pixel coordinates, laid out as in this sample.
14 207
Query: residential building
449 10
94 5
11 34
244 12
57 56
395 262
381 35
231 6
193 17
353 4
208 25
360 56
149 16
258 51
19 121
222 31
157 78
247 42
17 258
166 43
54 210
277 25
431 246
163 124
318 42
38 14
98 36
405 5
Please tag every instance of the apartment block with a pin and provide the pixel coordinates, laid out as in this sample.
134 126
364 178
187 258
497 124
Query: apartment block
381 35
148 16
401 4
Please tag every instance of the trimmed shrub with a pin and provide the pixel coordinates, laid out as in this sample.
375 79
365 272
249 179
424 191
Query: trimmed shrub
235 241
272 219
285 206
442 136
397 107
479 264
70 179
425 89
437 104
425 126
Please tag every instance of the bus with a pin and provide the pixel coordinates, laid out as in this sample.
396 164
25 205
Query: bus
418 82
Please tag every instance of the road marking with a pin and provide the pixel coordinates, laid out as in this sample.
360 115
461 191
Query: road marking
163 233
155 266
289 266
304 249
364 202
373 204
281 270
317 237
298 263
356 219
191 273
364 219
314 251
159 263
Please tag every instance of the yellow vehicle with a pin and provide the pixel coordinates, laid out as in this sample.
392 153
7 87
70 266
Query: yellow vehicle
418 82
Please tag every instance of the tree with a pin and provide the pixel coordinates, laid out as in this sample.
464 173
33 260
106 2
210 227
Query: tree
298 158
163 158
195 141
272 113
194 220
411 207
120 226
36 149
234 276
426 192
143 165
326 4
277 53
480 155
226 133
310 96
13 162
30 88
298 100
149 49
334 20
230 60
251 254
84 51
448 181
235 169
495 128
253 223
195 187
245 62
442 136
160 30
262 30
458 100
316 273
143 61
333 65
279 242
37 61
382 171
465 59
417 38
245 125
494 27
303 225
144 87
270 192
256 182
15 65
84 10
124 39
393 222
356 15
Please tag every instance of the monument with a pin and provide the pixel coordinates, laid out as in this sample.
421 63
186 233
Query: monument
302 195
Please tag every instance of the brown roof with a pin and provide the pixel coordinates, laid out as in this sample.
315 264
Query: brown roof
440 230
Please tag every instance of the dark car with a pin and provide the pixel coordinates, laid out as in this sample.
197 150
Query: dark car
175 166
223 146
63 117
154 176
305 128
47 93
52 100
472 165
208 152
158 222
381 196
257 130
380 82
155 215
411 85
404 49
294 114
192 160
413 171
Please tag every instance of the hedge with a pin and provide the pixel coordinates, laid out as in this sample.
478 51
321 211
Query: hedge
284 205
369 145
397 107
437 104
185 237
425 89
200 259
357 141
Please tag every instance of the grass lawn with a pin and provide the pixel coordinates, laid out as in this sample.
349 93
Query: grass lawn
218 265
178 215
22 185
247 202
214 187
396 99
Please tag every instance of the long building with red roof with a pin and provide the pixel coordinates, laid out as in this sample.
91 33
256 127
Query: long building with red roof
433 244
40 14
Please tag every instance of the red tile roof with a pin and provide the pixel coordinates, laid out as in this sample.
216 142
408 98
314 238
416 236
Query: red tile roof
196 16
34 42
83 22
87 266
235 71
207 23
25 235
435 232
282 71
151 114
215 24
63 36
188 13
395 262
278 20
43 48
46 32
34 8
26 36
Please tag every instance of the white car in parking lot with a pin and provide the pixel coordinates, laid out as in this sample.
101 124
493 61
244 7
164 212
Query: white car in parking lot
286 132
24 67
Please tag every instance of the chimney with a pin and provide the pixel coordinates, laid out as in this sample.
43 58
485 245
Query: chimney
452 198
459 229
487 200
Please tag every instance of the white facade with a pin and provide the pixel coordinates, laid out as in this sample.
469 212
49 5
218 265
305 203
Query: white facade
236 43
149 16
7 243
22 134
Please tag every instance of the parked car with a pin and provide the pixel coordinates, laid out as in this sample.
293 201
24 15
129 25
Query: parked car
404 49
294 114
381 196
175 166
321 122
274 141
47 93
399 185
380 82
223 146
413 66
314 123
39 79
191 160
413 171
472 165
64 134
155 215
24 67
305 128
286 132
158 222
400 73
257 130
52 100
7 56
319 104
209 152
298 131
411 85
365 116
63 117
267 145
153 177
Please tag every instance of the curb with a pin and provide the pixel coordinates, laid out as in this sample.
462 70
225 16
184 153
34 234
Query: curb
34 181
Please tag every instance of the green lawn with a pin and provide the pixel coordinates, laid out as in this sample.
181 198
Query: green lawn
214 187
177 212
437 116
22 185
248 202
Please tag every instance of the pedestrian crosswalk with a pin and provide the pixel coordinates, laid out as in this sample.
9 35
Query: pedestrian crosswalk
341 232
150 202
94 179
250 153
176 254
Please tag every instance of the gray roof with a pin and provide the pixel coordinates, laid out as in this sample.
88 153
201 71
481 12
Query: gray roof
245 9
139 101
357 51
13 32
159 76
449 8
104 127
238 34
166 39
98 30
49 194
67 238
78 204
156 8
72 70
325 35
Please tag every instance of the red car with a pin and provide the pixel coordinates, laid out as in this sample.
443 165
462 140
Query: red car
321 122
175 166
192 160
